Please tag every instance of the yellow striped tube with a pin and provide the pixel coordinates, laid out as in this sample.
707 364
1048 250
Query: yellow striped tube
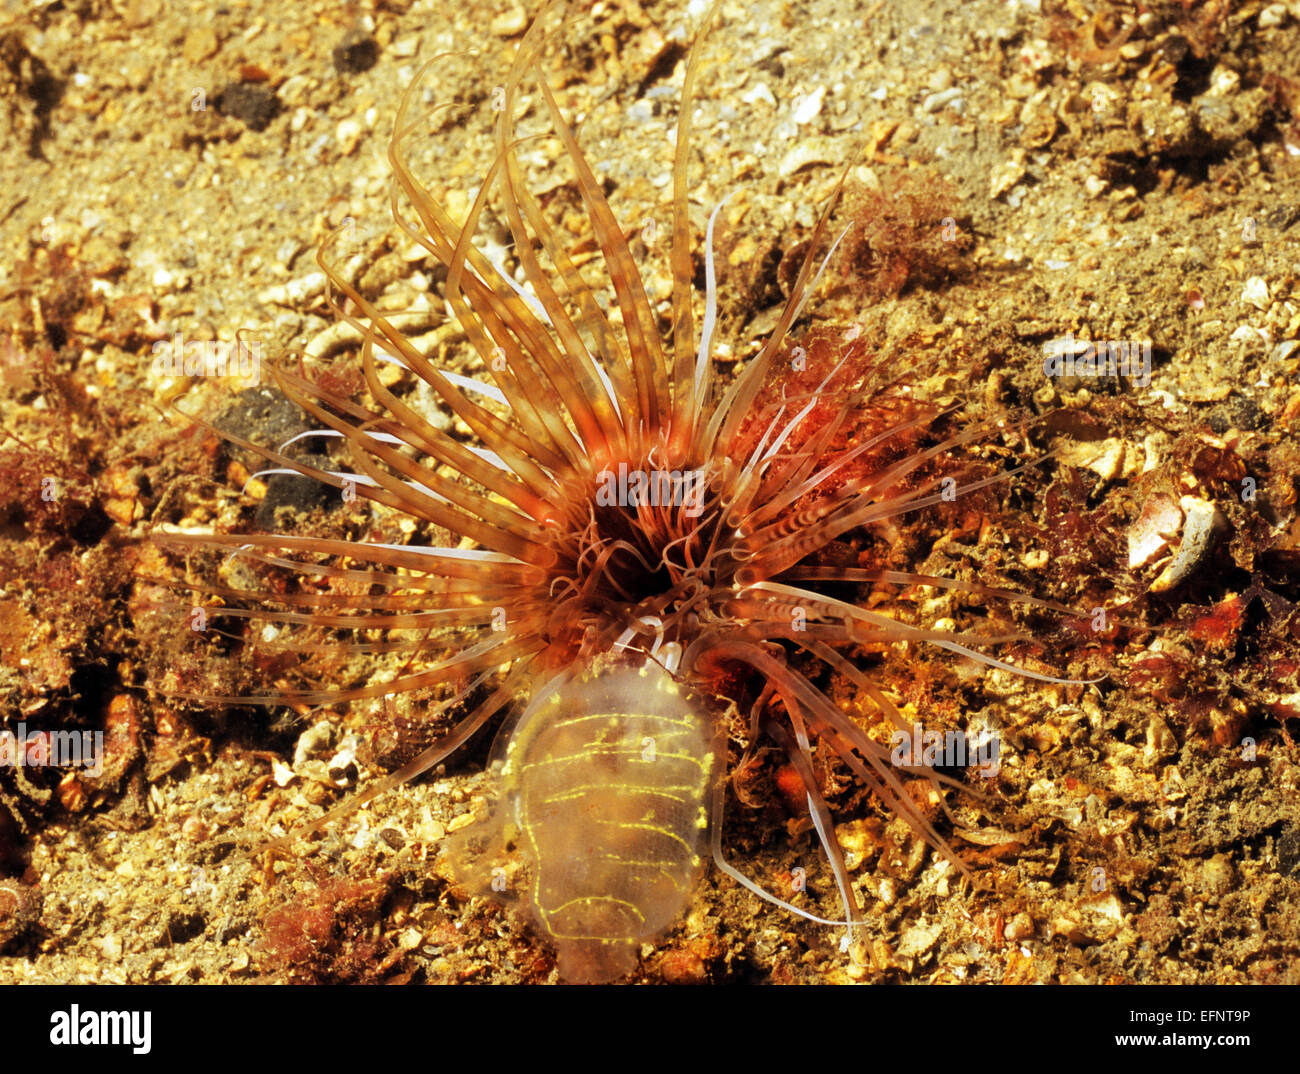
607 780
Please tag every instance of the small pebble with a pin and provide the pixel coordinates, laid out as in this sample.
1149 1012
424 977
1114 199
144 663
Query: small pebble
1218 875
935 101
1273 16
195 829
358 51
111 945
683 967
1021 927
1007 174
940 80
348 134
510 23
807 108
20 908
200 43
463 821
252 104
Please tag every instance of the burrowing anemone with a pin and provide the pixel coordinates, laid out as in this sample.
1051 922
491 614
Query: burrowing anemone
623 513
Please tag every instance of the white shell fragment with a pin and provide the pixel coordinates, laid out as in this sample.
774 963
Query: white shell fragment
295 292
1153 531
1202 519
1256 293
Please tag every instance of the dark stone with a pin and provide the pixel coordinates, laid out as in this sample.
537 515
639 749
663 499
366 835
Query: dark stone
266 416
357 52
252 104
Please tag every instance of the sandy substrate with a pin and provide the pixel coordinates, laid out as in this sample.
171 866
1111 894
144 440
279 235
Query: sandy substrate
1026 173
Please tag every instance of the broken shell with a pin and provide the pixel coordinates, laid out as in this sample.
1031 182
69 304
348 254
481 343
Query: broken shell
807 108
1150 535
1202 520
342 767
313 742
295 292
1256 293
808 151
1007 174
1161 742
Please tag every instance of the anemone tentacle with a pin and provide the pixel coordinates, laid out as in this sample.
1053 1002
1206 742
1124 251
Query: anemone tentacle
568 395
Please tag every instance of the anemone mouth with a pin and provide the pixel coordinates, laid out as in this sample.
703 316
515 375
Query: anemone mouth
647 547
